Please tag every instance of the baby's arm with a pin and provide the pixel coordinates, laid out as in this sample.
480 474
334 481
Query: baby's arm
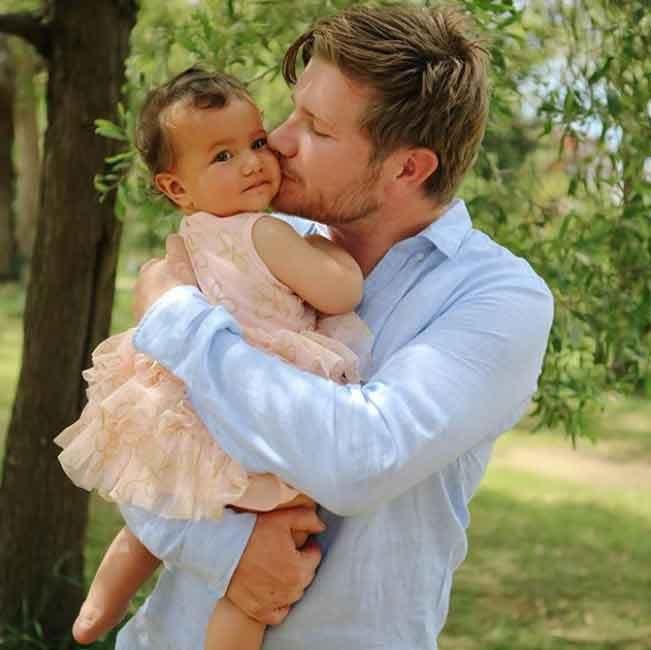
321 273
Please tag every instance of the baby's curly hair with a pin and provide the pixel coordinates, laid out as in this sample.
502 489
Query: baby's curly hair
200 89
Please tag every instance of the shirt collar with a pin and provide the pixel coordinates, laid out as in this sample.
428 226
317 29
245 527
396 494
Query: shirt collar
446 233
449 230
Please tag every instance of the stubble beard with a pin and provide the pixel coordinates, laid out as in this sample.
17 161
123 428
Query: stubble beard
356 202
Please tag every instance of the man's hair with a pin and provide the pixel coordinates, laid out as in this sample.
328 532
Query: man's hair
427 71
200 89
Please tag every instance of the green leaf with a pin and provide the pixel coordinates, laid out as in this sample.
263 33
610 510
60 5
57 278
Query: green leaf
574 182
600 72
614 103
107 129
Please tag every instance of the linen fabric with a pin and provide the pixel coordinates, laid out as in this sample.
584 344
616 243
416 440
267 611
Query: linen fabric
460 327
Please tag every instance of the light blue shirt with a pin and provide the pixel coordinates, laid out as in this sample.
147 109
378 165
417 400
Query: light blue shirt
460 328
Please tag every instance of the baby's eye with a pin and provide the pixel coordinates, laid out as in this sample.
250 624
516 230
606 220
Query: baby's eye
223 156
260 143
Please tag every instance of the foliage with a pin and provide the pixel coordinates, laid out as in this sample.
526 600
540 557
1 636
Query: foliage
562 179
586 229
7 6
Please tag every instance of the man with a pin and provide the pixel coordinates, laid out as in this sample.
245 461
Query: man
389 113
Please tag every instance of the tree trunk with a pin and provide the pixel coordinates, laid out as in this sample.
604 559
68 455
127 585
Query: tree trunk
8 260
67 313
26 144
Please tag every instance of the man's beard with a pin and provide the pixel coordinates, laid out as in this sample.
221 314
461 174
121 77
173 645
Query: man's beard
353 203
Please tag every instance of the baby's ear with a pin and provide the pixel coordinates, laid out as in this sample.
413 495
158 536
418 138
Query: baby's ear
172 187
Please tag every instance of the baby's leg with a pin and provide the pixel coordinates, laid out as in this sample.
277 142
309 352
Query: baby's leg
124 568
229 627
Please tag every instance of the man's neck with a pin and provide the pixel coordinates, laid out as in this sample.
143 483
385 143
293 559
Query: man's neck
369 240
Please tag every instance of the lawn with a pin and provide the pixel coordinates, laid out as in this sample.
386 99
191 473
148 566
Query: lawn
559 556
560 539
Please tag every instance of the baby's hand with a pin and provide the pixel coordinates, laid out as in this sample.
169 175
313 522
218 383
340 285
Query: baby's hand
157 276
179 260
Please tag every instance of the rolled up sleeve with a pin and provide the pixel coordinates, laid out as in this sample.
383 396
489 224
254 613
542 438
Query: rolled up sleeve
209 550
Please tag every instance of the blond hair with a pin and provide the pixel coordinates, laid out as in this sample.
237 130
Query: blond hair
428 74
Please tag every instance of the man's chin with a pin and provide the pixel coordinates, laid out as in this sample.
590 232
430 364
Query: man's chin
295 203
284 202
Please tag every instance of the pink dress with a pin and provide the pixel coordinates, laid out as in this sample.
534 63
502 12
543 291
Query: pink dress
138 440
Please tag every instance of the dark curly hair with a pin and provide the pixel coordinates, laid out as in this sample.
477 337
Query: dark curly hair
202 89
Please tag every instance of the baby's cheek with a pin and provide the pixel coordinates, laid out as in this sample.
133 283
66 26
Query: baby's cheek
271 162
274 169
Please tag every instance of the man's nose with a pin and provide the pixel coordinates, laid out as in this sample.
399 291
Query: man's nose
282 140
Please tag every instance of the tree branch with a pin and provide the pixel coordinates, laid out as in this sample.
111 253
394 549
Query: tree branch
29 26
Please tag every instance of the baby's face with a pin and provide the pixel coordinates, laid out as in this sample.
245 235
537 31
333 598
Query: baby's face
223 164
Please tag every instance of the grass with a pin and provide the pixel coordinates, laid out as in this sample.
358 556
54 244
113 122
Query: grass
560 540
553 564
12 302
11 341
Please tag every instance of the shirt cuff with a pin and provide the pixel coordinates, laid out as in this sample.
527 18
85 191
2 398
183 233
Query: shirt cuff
171 324
210 550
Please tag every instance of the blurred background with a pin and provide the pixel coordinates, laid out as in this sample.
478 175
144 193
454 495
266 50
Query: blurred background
560 540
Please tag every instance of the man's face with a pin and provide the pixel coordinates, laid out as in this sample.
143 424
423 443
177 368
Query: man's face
324 156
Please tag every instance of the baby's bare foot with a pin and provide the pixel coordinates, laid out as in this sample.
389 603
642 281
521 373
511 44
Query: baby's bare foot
92 623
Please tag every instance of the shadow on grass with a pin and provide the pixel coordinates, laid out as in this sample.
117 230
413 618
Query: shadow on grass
552 576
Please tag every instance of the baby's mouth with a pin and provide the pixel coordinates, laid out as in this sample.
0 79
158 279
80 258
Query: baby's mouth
256 185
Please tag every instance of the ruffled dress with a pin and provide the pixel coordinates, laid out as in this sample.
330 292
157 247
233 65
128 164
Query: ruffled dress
138 441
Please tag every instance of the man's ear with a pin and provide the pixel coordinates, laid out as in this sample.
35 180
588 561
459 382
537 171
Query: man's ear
172 187
415 166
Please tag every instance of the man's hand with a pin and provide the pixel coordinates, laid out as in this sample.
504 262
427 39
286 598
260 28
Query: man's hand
273 573
158 276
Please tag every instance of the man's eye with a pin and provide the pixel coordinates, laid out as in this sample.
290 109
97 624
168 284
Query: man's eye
260 143
223 156
318 133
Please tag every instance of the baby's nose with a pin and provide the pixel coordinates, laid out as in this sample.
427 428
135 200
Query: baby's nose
252 163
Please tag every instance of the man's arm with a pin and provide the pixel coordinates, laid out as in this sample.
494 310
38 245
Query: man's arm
251 559
467 377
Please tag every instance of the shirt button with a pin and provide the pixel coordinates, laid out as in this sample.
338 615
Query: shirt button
419 257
